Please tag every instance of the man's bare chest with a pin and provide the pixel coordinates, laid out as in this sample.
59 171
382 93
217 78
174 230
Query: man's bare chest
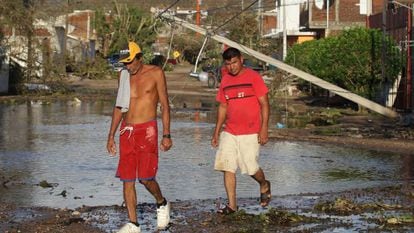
142 86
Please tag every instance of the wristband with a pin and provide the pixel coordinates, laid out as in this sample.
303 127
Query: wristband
166 136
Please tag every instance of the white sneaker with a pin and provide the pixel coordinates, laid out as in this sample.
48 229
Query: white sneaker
130 228
163 216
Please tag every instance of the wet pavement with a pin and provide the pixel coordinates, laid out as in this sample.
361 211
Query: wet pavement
63 144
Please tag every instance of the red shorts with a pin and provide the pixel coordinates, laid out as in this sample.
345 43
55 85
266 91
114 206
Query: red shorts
138 149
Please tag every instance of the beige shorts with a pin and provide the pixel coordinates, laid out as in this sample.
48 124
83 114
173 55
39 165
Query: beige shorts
238 151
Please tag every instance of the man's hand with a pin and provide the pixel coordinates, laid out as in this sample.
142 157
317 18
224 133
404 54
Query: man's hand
111 146
263 137
166 144
214 141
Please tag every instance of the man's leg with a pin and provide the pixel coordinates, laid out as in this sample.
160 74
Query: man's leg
163 207
153 187
259 176
130 197
230 185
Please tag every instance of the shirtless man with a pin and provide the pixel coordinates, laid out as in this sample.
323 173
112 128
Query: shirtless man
138 140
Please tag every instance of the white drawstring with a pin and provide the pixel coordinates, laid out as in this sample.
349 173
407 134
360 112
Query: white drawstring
130 128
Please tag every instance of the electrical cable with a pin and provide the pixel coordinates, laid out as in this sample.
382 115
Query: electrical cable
166 9
235 16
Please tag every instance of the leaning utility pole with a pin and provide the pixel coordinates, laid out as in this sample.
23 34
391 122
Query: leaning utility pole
290 69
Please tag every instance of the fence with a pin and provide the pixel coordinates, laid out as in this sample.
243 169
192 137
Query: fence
398 26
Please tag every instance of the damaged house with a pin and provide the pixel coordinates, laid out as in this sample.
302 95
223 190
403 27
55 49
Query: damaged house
68 36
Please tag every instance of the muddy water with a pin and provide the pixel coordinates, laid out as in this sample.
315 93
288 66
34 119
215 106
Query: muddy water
64 144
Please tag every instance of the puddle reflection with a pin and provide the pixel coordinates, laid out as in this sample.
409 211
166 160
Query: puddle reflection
65 144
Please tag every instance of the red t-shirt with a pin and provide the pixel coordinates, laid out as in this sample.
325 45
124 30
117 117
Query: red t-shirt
241 94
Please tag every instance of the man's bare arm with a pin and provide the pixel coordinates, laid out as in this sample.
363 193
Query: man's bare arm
221 117
166 142
116 119
264 108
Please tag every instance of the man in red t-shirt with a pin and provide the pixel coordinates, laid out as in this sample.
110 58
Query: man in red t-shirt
244 109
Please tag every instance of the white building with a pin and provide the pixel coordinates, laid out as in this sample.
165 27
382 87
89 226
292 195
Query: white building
288 23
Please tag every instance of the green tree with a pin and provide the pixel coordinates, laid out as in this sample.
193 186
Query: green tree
131 23
350 60
103 30
20 15
189 45
244 30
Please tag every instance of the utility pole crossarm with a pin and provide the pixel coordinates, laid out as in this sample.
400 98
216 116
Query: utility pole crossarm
290 69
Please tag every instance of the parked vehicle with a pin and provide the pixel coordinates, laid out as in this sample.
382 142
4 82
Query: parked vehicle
254 66
159 60
113 61
214 75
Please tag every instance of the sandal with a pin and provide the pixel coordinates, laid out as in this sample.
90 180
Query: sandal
226 210
266 196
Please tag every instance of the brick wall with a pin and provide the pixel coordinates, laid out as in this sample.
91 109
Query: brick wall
269 22
345 11
79 21
320 14
39 32
42 32
376 6
349 11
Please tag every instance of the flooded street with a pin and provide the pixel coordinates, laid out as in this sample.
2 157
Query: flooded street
64 144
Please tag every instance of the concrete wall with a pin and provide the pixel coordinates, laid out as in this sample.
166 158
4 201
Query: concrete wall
292 15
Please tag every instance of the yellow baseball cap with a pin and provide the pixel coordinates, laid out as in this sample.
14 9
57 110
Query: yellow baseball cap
128 54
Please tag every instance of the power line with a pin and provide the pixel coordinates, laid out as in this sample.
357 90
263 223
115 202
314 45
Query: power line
236 15
166 9
250 8
238 5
